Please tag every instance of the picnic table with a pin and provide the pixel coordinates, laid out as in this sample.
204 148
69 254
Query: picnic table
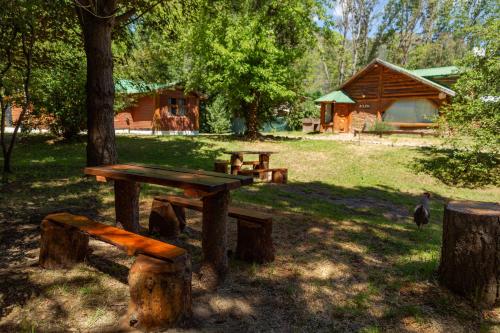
213 187
237 159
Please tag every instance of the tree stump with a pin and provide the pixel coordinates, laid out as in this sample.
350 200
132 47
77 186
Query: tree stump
255 242
280 176
263 161
214 239
160 293
470 254
166 219
61 246
221 166
236 163
127 205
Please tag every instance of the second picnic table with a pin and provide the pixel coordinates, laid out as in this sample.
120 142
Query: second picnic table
237 159
213 187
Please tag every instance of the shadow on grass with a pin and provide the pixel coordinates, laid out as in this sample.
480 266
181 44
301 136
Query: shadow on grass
460 168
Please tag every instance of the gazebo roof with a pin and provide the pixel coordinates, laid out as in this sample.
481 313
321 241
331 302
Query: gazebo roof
337 96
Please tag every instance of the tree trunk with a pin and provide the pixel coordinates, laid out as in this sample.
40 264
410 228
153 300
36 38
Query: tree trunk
97 31
252 120
214 239
160 293
470 254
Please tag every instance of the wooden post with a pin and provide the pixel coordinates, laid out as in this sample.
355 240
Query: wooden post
160 293
166 219
236 163
255 242
221 166
127 205
214 239
263 161
61 246
470 253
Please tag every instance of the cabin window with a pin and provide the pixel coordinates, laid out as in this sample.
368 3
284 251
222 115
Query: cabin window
411 111
177 106
328 113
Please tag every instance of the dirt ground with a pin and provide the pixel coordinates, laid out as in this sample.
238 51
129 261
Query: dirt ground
321 281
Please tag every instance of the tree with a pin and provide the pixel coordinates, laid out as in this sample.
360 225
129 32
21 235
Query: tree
247 52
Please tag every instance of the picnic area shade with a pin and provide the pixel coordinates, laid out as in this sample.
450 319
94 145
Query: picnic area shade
337 96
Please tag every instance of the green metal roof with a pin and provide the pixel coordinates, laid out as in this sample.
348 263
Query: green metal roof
337 96
437 71
133 87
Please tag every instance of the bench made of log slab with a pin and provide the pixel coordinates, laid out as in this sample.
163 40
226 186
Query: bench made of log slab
275 175
254 242
470 254
159 279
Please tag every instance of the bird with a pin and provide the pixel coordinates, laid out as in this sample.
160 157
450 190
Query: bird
422 213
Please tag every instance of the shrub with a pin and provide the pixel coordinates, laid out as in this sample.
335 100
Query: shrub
216 117
306 109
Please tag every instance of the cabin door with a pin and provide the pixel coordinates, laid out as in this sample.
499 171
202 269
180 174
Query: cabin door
341 121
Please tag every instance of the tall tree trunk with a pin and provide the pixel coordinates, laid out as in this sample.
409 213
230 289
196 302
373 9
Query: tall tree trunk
252 119
97 25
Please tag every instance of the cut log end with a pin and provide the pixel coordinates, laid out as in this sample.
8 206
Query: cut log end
160 293
61 246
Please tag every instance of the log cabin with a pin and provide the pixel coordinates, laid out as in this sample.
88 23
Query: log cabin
158 109
383 92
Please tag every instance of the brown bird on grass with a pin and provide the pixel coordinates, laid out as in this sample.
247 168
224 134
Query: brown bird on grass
422 213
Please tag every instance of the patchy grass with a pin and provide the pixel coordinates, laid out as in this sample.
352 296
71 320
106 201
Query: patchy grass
348 255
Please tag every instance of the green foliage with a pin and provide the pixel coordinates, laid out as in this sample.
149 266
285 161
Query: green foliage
473 119
306 109
247 51
380 126
216 117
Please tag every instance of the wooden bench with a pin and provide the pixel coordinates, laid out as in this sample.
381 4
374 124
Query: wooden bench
159 279
254 242
275 175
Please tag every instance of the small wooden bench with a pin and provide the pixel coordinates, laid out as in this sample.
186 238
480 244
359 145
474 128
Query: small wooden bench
254 242
159 279
275 175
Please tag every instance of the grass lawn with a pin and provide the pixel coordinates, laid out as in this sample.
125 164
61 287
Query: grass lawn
349 258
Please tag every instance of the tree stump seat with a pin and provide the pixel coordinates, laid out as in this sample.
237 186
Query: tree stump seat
273 175
470 253
159 279
254 242
221 166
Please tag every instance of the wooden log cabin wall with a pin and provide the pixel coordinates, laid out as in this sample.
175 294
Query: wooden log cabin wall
385 92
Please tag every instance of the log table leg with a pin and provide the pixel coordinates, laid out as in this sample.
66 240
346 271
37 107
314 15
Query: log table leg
236 163
61 246
263 161
127 205
214 239
470 253
160 293
166 219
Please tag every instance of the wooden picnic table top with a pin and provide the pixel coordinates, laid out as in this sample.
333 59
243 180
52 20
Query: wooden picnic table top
206 181
231 152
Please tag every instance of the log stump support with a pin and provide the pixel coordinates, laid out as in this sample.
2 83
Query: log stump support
166 219
470 254
127 205
160 293
214 239
236 163
61 246
280 176
221 166
263 161
255 242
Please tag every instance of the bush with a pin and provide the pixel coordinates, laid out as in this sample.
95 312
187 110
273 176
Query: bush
380 126
306 109
216 118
